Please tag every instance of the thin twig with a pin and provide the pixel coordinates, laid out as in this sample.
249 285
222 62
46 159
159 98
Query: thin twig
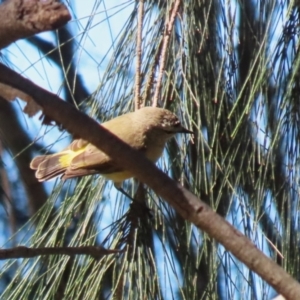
149 83
163 57
24 252
139 56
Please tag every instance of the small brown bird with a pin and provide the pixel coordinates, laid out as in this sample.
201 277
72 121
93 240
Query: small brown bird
146 130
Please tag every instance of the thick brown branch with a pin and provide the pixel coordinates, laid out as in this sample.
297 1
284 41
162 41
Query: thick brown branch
21 18
185 203
25 252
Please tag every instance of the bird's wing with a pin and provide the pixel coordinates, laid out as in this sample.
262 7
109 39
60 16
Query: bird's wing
88 157
77 145
93 158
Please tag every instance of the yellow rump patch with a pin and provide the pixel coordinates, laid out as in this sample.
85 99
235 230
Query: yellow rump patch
66 157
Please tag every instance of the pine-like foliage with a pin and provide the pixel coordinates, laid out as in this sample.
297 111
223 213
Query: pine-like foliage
231 72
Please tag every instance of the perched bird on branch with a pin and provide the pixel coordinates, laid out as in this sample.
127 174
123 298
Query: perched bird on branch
146 130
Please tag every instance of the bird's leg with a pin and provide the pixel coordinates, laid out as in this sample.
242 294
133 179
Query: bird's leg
120 189
118 186
135 201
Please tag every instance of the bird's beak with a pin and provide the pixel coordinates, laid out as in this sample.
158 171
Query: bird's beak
184 130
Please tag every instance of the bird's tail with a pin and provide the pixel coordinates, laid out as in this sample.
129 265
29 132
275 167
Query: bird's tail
50 166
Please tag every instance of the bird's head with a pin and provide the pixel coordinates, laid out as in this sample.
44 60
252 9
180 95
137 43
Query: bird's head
162 121
171 124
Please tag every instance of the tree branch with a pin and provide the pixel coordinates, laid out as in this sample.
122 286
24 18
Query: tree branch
25 252
139 38
21 18
163 57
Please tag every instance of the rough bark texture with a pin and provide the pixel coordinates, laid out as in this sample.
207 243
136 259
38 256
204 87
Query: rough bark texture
23 18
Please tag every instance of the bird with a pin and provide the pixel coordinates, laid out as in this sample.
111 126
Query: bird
147 130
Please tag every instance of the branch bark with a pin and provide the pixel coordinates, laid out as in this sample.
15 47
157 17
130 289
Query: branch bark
168 30
139 39
25 252
23 18
185 203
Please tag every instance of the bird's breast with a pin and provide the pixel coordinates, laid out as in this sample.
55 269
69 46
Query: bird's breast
154 152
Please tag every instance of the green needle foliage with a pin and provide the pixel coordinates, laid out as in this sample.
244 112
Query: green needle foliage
232 74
